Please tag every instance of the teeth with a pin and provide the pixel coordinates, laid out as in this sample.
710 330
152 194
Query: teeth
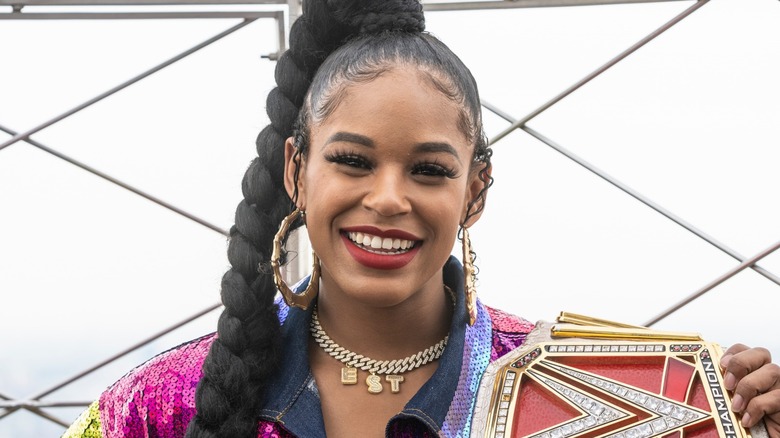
378 243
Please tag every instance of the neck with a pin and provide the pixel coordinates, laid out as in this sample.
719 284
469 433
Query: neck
386 332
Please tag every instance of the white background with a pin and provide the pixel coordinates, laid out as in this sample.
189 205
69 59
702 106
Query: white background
690 121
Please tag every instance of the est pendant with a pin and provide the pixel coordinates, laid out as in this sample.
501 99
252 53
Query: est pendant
349 376
374 383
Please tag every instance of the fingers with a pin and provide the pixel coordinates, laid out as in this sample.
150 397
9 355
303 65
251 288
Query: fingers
755 382
739 361
765 406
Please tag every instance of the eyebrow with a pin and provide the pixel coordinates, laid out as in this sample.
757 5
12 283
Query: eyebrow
426 147
350 137
432 146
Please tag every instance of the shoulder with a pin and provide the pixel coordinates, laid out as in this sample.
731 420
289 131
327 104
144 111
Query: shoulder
157 398
509 331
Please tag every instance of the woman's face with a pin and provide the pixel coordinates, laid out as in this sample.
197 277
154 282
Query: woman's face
387 180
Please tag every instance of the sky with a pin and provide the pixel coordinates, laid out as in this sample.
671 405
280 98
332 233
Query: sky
689 121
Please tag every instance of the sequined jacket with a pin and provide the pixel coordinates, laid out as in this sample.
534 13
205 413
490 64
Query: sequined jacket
157 399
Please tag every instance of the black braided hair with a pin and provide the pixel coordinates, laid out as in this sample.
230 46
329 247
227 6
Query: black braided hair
246 353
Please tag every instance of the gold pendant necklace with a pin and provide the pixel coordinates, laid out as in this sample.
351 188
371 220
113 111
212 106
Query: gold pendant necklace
391 369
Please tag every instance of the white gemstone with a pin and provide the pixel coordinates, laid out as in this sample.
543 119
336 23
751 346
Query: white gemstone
659 425
588 348
632 348
579 348
678 413
665 408
501 428
645 430
623 348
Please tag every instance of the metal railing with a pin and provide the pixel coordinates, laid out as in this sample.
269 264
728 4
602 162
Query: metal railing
286 13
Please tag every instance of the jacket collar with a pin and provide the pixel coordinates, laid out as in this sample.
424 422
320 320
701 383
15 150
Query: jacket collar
443 404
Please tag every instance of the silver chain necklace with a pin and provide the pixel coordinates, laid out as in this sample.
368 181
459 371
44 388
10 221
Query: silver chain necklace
391 369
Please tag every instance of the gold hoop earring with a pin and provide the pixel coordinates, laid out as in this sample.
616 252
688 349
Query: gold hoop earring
292 299
470 276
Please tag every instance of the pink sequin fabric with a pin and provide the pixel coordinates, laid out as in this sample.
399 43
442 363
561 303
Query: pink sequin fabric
157 399
509 332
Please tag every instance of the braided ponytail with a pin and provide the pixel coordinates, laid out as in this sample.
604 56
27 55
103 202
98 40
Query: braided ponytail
246 353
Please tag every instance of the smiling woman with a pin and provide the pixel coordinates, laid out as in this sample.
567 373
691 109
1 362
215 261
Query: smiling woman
376 145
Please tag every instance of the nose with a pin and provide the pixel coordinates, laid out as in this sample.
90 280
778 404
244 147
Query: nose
388 193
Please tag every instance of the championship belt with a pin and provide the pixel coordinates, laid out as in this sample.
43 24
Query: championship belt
586 377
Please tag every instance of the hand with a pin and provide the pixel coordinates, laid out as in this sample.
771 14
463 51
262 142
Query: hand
755 380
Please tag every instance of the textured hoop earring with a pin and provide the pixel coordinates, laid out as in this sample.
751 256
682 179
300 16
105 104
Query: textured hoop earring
470 276
292 299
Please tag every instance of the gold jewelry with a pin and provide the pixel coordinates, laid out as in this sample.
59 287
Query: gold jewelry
292 299
470 276
391 369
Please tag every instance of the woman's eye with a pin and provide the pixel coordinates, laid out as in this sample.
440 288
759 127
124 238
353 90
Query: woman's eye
432 169
355 161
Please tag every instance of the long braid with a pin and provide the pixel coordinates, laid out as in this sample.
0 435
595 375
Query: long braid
246 353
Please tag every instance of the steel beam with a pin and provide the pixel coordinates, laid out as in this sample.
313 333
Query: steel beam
246 15
23 3
515 4
26 134
732 272
668 25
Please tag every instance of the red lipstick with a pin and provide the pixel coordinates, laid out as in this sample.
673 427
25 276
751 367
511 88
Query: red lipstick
380 261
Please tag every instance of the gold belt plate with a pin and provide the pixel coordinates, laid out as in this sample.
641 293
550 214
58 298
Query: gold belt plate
594 378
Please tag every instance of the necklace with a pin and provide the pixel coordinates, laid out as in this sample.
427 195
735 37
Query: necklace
391 369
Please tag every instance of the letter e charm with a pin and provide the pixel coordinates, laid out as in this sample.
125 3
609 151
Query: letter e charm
349 376
374 384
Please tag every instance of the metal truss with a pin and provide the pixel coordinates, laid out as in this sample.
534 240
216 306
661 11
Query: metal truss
284 12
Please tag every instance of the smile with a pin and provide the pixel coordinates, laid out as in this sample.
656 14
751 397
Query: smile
379 245
377 249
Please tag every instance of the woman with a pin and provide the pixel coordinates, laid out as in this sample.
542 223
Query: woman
376 137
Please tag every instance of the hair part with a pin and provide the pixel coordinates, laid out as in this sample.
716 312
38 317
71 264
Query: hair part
367 57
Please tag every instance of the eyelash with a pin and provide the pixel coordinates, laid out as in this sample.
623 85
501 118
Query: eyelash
424 168
349 159
433 169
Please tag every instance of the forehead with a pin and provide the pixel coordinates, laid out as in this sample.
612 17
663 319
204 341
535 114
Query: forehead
403 103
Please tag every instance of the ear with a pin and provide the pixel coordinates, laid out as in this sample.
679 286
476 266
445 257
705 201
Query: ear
294 163
476 193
